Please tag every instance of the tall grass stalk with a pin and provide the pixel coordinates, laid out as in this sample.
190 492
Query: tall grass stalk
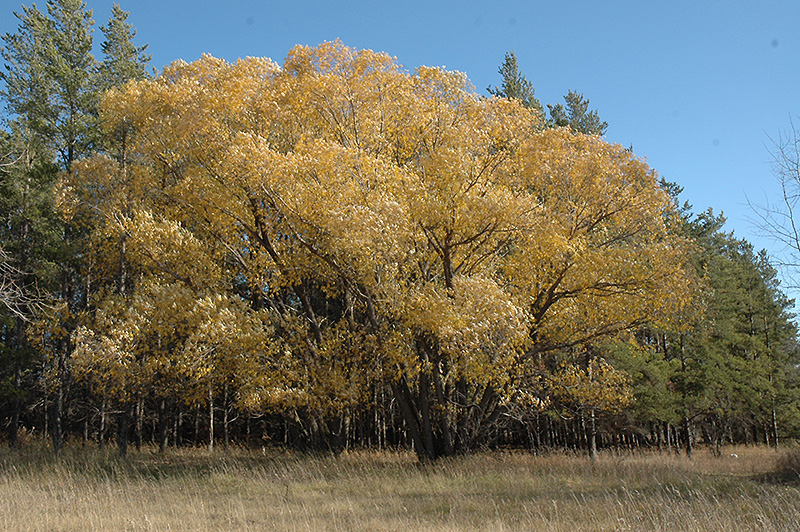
90 489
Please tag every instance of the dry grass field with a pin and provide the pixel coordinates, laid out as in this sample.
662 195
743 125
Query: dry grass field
192 490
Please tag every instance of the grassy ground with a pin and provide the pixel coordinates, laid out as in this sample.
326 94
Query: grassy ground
192 490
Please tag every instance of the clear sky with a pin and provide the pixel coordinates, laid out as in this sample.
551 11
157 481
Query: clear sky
696 87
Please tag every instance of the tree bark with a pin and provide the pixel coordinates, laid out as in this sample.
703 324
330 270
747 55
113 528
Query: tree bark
13 429
163 426
122 431
225 434
425 416
210 419
56 423
139 423
774 429
101 433
687 425
444 422
412 422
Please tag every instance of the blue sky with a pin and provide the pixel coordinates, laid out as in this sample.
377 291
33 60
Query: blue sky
696 87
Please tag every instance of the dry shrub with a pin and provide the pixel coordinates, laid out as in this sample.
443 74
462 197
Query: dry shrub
787 468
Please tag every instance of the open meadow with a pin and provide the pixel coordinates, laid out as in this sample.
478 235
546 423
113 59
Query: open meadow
193 490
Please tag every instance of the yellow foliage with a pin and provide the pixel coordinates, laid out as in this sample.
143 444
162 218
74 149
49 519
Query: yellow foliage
598 386
431 212
166 338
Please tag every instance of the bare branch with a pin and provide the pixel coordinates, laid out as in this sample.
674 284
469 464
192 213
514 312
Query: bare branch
778 220
12 295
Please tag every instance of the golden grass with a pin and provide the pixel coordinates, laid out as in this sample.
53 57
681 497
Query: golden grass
192 490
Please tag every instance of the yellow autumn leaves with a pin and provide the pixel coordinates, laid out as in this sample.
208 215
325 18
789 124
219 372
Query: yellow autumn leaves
368 211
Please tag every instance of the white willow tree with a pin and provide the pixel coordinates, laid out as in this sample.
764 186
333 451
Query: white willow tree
399 226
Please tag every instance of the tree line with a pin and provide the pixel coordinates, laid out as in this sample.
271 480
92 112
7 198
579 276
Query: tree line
338 252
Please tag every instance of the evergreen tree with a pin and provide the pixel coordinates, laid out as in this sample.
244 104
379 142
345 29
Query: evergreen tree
730 374
51 89
122 59
515 85
576 115
51 85
29 236
51 75
26 86
742 356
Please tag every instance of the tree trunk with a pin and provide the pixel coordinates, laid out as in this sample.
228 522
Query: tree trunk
101 432
592 435
774 429
139 423
19 333
444 422
46 413
176 429
210 419
122 431
13 429
412 422
659 429
676 438
425 415
163 426
688 429
56 423
225 434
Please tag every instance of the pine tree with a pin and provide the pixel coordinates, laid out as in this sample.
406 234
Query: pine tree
50 78
576 115
52 85
122 59
515 85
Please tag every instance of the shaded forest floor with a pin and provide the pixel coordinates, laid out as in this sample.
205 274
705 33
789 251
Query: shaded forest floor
90 489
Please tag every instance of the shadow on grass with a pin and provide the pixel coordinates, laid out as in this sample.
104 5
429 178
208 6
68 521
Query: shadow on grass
147 464
786 471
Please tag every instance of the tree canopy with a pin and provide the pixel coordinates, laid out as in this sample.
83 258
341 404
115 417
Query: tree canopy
338 251
443 229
